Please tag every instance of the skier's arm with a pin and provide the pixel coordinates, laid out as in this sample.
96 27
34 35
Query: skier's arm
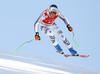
38 21
36 27
63 18
65 21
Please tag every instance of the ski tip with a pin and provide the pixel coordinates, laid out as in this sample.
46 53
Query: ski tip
88 55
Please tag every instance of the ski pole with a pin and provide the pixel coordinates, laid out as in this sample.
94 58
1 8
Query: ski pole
23 44
74 40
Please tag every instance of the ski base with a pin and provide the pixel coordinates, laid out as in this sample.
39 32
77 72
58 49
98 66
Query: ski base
83 56
69 55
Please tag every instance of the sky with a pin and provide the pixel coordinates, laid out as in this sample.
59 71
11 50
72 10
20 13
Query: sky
17 18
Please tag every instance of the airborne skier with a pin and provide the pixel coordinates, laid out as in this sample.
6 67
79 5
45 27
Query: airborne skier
49 27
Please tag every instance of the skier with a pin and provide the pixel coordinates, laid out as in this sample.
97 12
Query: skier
49 27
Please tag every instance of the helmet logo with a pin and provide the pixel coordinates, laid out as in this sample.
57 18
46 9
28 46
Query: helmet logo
54 10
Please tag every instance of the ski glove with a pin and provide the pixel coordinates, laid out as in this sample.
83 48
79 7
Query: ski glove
69 28
37 37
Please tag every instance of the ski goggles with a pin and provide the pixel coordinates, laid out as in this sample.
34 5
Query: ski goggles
53 12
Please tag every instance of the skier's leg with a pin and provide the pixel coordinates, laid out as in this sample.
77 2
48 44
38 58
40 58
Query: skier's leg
66 42
55 44
49 32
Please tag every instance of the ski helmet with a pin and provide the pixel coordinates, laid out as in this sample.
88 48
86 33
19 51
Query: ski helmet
53 8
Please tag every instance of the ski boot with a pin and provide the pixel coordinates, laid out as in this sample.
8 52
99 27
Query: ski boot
73 52
59 49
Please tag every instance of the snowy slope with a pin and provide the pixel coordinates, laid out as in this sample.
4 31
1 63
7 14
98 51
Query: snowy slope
21 63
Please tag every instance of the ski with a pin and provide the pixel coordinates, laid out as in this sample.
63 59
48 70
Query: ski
69 55
83 56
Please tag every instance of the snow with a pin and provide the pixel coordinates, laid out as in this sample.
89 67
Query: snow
22 63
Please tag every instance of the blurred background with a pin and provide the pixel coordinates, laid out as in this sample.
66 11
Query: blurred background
17 18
